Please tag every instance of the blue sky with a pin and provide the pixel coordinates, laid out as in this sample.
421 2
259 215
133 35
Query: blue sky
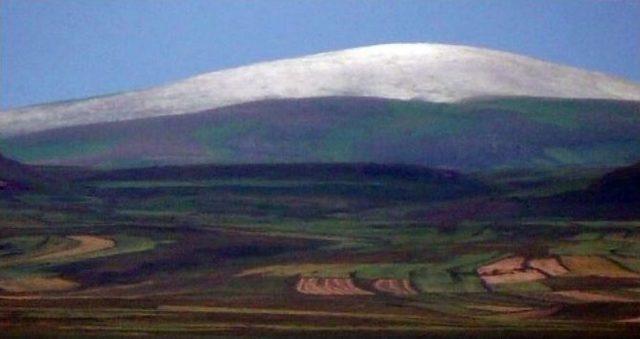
62 49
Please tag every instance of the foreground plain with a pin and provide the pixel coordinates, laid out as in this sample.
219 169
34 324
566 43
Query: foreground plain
343 249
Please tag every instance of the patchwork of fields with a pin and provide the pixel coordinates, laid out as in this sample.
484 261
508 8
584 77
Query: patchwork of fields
314 257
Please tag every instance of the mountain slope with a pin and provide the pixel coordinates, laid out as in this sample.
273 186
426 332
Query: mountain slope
429 72
473 135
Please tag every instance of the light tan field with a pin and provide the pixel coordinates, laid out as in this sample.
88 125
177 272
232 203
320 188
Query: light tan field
502 266
500 309
328 286
341 270
631 320
592 296
550 266
86 244
36 284
39 252
595 266
122 289
397 287
537 313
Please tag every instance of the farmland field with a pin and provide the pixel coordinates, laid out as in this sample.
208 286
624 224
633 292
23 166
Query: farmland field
317 256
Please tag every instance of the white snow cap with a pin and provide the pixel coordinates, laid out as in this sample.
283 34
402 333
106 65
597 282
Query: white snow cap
430 72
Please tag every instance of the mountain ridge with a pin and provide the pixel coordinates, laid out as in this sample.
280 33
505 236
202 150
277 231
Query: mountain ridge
428 72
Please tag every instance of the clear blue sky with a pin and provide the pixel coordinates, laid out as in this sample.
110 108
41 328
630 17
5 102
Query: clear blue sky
61 49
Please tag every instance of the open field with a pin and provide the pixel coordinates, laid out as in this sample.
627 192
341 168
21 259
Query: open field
396 287
380 256
328 286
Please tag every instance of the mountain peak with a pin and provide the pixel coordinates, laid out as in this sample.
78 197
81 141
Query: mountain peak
420 71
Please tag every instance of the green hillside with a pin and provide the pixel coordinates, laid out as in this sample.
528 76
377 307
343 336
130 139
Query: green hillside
474 135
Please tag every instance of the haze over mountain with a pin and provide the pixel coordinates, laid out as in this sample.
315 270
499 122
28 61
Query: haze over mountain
427 72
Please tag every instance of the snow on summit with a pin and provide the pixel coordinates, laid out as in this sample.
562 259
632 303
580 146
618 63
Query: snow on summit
430 72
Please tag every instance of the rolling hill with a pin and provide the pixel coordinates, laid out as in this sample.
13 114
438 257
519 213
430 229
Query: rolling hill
470 135
424 104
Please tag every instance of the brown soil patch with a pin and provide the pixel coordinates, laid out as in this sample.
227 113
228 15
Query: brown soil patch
397 287
507 265
550 266
508 271
513 277
592 297
595 266
513 269
328 286
87 244
36 284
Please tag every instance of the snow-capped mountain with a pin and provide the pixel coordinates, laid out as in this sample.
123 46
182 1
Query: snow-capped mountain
429 72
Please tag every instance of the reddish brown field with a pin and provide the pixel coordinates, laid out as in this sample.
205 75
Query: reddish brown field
507 265
508 271
397 287
328 286
550 266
